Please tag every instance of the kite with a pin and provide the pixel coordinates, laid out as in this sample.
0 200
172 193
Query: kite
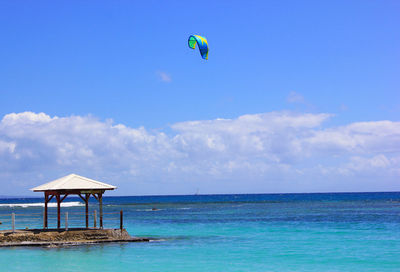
201 43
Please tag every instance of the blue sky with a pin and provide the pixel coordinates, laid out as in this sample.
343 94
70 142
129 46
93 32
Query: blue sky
336 61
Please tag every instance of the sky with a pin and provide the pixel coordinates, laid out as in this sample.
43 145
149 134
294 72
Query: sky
296 96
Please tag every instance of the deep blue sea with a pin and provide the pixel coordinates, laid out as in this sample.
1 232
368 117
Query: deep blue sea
265 232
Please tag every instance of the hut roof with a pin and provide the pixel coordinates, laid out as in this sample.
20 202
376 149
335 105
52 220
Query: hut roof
73 182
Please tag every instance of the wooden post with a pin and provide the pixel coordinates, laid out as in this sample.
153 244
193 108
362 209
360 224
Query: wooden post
58 211
101 209
13 222
87 209
66 221
121 220
95 219
46 200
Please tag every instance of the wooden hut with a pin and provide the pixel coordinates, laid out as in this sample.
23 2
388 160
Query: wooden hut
73 185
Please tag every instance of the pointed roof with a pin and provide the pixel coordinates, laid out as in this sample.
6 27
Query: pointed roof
73 182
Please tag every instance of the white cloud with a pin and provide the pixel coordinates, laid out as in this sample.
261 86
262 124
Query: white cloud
269 152
163 76
357 138
294 97
367 164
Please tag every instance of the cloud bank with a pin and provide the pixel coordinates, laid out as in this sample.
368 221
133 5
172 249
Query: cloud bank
269 152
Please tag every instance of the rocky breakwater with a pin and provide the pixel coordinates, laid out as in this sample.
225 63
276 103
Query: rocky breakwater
41 237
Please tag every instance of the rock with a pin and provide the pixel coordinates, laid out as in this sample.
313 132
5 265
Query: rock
62 237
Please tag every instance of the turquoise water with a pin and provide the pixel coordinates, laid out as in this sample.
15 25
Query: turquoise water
290 232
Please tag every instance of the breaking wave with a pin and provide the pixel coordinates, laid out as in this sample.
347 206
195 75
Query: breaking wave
40 204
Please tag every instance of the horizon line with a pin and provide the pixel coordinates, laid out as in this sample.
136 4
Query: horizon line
215 194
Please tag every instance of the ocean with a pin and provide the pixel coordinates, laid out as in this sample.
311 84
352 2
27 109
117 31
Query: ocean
256 232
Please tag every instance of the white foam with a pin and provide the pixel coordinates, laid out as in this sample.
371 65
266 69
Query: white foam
41 204
148 210
157 240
